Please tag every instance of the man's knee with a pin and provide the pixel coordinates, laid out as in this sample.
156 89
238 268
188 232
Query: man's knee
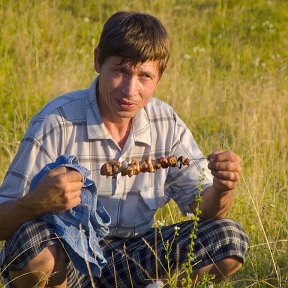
51 260
231 265
219 270
226 267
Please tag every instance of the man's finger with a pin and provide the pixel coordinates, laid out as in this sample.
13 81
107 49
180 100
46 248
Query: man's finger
70 174
225 166
58 170
75 186
219 156
74 176
229 176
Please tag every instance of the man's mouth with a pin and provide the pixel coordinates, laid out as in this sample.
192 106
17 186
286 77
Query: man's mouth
124 104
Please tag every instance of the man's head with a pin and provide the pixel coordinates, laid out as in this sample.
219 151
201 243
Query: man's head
136 38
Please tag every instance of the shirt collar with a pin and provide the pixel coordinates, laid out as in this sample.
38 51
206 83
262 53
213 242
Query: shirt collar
141 129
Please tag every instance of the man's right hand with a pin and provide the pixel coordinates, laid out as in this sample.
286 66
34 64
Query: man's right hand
59 190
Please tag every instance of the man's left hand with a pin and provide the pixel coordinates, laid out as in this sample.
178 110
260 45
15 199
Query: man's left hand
226 168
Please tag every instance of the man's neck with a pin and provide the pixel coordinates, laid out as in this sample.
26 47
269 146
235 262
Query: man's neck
119 131
118 128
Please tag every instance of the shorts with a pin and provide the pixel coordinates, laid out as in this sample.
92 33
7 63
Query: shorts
133 262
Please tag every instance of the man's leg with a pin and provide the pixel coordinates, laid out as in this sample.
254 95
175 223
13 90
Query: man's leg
219 249
47 269
221 269
34 256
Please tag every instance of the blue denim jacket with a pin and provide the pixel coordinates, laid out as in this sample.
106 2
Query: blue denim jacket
83 226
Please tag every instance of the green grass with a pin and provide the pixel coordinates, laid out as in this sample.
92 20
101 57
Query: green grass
227 79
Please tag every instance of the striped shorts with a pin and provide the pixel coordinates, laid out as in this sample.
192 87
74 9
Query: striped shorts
134 262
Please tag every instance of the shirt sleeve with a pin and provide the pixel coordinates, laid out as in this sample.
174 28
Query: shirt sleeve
183 185
38 147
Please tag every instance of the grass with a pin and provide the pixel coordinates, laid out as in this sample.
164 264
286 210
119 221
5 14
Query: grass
227 79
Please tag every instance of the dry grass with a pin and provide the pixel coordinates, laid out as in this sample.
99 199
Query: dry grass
227 79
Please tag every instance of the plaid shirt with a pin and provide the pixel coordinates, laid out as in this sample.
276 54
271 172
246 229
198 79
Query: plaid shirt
71 124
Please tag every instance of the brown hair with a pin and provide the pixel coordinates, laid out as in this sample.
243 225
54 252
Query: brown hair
136 37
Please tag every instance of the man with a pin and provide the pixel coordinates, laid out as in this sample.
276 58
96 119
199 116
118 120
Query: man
117 118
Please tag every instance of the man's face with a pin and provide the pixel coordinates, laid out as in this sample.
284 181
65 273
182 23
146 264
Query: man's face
125 89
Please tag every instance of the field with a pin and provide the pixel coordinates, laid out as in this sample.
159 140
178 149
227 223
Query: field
227 79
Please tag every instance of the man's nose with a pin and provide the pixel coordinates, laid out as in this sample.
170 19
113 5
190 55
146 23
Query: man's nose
129 85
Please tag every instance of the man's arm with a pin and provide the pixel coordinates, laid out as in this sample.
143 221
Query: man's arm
217 200
58 191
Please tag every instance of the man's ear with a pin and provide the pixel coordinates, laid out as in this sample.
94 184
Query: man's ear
96 59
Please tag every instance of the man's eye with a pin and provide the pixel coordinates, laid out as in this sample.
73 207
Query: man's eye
145 76
120 70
